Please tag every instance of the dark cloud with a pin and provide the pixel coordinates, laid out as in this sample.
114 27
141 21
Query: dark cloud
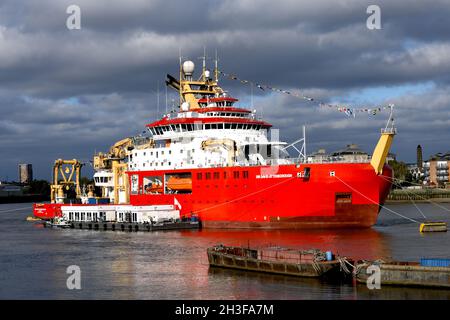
68 93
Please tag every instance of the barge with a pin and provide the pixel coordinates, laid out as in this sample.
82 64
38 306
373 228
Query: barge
308 263
426 273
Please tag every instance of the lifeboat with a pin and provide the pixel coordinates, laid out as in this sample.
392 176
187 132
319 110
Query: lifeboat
179 184
154 187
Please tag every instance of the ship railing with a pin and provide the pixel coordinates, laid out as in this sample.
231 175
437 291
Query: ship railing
330 160
389 130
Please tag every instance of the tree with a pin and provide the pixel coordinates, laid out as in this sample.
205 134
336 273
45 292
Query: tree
401 172
40 187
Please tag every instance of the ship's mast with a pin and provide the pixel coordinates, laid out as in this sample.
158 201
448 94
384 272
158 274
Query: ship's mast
216 69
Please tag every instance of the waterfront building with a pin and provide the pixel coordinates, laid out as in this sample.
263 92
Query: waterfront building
436 170
352 153
25 173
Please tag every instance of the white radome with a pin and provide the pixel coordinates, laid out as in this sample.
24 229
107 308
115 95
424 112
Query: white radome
188 67
185 106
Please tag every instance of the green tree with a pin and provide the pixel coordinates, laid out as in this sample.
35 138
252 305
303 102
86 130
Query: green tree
401 172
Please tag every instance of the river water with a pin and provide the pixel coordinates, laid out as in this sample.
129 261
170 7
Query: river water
174 265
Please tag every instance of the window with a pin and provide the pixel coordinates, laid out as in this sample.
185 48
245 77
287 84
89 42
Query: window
216 175
236 174
225 175
208 175
245 174
199 176
342 197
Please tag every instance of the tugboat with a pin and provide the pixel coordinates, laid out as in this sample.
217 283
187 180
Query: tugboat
217 161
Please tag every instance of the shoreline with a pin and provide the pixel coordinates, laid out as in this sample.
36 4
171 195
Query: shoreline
437 200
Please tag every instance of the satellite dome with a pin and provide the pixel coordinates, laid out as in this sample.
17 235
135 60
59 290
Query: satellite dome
188 67
185 106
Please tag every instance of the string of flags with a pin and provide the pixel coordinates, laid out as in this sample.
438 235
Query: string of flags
346 109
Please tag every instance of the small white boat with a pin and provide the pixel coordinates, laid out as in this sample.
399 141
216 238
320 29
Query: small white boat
58 222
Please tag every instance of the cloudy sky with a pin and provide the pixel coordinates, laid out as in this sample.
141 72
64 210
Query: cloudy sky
68 93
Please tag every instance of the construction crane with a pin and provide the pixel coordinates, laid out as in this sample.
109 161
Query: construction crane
113 162
66 174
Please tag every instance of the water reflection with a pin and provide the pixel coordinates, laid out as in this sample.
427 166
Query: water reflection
174 264
359 243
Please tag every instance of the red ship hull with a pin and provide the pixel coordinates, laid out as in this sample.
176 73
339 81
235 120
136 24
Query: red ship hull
334 195
279 198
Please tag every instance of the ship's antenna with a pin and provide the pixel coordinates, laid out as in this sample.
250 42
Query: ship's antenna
157 99
166 99
216 70
181 82
304 143
204 63
251 95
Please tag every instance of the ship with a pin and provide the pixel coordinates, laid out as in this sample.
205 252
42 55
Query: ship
220 163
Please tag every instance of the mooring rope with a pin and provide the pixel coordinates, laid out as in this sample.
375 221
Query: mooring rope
423 198
342 262
390 210
413 202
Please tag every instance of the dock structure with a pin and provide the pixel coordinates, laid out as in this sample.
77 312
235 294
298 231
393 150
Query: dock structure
407 273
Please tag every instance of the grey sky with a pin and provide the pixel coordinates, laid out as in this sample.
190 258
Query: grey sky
66 93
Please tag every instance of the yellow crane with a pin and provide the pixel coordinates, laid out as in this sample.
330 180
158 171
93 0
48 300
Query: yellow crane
66 174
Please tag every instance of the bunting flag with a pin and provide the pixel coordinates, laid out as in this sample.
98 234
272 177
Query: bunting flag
347 110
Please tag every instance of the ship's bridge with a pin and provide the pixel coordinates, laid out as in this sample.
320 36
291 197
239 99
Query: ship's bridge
207 118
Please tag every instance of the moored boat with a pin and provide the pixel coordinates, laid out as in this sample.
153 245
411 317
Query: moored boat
58 222
307 263
223 164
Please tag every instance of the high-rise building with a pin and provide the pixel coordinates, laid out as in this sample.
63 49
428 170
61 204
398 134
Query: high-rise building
437 169
419 157
25 173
